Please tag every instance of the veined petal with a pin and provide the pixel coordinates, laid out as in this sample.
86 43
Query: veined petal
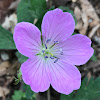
34 74
27 38
57 25
64 77
76 49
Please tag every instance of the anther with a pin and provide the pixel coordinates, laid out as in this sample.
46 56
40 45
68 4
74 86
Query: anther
48 40
61 51
51 57
56 60
43 50
45 46
46 57
56 42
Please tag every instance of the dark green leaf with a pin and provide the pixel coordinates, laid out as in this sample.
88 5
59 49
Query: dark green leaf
88 91
28 92
28 10
74 33
6 39
23 13
21 58
38 8
18 95
94 58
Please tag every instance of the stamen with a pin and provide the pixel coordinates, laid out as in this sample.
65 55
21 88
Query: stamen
51 57
43 50
56 60
61 51
46 57
45 46
56 42
48 40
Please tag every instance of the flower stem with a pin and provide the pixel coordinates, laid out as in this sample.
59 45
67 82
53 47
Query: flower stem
52 46
48 94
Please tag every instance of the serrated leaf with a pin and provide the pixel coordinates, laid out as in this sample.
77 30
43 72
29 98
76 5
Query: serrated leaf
21 58
90 91
18 95
28 92
6 39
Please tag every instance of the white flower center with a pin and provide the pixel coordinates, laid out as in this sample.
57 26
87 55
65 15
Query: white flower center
47 52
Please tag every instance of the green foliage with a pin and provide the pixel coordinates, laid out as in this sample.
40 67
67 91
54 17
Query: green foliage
6 39
23 13
38 8
90 90
26 94
21 58
66 9
18 95
29 94
17 80
94 58
74 33
28 10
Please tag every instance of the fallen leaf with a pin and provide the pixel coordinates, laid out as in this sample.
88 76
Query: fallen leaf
3 67
93 31
4 91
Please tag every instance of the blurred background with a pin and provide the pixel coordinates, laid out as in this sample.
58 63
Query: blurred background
87 17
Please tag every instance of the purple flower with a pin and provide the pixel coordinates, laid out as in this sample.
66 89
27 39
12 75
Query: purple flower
54 54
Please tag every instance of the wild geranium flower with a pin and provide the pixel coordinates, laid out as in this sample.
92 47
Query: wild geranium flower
54 54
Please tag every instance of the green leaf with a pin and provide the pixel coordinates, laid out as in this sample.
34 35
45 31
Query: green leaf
38 8
21 58
88 91
19 75
66 9
28 10
74 33
94 58
6 39
29 94
18 95
23 13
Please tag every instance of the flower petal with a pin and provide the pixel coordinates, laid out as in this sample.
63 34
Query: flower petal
57 25
27 38
76 49
64 77
34 74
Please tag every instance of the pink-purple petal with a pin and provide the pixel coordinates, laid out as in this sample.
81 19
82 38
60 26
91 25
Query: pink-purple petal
34 74
57 25
64 77
76 49
27 38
